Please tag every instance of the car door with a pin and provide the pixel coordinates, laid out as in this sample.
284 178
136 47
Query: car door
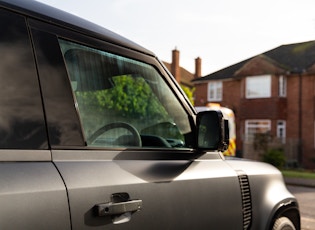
32 192
122 140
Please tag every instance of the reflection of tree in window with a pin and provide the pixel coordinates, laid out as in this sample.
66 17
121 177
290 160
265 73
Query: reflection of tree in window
131 97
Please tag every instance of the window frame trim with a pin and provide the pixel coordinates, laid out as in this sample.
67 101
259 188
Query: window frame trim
284 126
217 97
282 86
247 96
255 120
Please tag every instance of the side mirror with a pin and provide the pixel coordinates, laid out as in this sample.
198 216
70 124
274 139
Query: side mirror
212 131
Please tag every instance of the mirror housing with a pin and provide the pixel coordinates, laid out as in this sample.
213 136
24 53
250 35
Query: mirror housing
212 131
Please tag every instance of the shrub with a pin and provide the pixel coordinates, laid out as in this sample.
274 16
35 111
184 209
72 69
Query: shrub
274 157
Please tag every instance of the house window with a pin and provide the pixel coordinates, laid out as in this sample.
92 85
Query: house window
254 127
258 86
282 86
215 91
281 130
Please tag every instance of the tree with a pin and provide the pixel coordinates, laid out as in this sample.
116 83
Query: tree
189 93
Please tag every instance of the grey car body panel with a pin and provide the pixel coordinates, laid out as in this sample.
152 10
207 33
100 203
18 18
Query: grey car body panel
59 185
176 194
32 196
9 155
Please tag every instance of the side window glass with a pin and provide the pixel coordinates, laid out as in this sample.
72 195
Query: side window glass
22 123
123 102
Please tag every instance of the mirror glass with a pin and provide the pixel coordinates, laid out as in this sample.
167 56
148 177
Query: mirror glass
210 128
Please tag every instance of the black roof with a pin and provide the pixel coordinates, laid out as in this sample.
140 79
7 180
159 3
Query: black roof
298 56
55 16
291 58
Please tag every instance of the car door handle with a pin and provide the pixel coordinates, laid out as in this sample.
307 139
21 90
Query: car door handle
109 209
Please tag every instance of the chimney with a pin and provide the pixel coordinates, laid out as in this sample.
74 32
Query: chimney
197 67
175 70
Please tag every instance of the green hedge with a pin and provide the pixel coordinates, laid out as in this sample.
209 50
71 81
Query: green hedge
274 157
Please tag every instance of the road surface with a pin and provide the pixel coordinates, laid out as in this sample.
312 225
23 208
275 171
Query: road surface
306 199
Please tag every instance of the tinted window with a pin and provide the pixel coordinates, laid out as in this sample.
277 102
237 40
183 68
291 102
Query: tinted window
21 115
123 102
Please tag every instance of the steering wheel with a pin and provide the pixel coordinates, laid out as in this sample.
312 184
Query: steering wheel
135 137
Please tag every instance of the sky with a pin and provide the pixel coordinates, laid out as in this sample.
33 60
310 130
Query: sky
220 32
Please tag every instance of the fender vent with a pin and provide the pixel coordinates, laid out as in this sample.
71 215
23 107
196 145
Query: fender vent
246 199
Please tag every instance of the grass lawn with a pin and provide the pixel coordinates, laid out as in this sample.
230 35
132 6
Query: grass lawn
298 174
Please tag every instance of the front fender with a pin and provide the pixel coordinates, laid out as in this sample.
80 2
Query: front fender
269 194
288 208
270 199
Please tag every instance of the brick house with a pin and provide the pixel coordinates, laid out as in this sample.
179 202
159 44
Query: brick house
272 93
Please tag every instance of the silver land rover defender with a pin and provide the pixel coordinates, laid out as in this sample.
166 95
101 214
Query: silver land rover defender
96 134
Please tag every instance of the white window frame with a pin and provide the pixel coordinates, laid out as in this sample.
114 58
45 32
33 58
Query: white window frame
255 86
282 86
261 124
281 130
215 91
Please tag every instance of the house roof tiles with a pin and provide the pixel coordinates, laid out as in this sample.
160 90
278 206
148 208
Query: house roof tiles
285 58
